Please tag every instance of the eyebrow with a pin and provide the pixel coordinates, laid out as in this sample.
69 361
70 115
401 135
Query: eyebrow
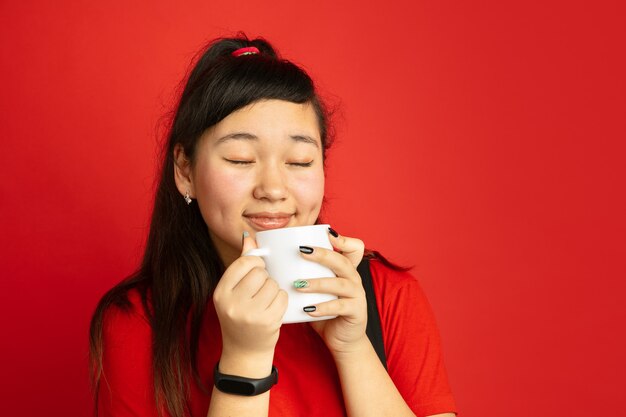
238 135
305 139
249 136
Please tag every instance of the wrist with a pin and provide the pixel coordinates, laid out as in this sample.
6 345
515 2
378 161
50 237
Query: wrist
353 352
249 387
246 364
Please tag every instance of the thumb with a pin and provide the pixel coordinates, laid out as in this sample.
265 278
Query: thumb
247 242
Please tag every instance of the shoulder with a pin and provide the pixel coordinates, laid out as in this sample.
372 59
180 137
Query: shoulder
391 284
126 341
126 318
402 304
126 381
384 272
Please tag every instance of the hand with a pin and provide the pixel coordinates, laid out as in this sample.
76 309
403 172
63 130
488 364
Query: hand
345 332
250 307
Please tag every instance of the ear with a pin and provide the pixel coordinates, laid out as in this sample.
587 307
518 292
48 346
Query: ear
182 172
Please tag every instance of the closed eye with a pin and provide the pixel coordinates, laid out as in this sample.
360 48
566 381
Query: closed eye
238 161
301 164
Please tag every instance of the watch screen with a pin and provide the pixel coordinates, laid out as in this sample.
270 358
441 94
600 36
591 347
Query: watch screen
243 388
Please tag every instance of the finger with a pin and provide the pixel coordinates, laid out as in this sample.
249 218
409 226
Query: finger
339 264
278 306
350 247
340 287
251 283
266 293
241 266
348 308
238 270
247 242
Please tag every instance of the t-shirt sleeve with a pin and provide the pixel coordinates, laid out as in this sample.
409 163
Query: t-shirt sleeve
412 342
126 386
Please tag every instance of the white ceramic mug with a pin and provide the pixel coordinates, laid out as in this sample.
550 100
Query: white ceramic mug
280 250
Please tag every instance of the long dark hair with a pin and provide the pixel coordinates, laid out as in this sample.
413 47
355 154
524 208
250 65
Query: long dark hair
181 266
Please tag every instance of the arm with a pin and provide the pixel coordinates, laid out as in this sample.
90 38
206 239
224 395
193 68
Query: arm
126 388
362 375
250 307
363 378
360 371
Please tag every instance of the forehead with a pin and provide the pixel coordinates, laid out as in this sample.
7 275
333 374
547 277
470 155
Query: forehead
269 119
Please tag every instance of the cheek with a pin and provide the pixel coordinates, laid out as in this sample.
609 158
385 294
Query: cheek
219 193
309 191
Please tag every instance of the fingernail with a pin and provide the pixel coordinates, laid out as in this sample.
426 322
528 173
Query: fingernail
306 249
244 235
301 283
309 309
333 232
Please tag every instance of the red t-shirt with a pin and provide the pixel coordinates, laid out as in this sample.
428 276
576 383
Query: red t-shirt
308 383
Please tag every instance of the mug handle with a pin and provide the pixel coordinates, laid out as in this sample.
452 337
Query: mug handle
258 252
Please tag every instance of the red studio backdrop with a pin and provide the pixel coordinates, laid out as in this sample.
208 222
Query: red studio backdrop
481 142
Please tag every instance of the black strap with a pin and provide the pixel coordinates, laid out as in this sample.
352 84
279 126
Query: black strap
374 331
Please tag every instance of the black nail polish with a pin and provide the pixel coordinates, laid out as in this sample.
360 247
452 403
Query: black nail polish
333 232
309 309
306 249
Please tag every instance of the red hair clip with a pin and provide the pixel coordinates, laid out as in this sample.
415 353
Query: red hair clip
248 50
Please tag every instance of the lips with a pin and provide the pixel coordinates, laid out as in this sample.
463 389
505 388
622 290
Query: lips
266 221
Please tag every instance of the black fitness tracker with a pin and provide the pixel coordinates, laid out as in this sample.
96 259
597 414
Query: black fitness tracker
239 385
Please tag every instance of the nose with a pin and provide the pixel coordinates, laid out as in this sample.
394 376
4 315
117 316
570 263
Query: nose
271 185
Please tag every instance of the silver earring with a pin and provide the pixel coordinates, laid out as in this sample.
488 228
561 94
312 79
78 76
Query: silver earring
187 198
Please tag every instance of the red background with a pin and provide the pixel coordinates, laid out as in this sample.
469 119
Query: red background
482 142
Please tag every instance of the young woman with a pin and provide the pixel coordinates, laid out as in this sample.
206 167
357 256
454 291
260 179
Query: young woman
245 153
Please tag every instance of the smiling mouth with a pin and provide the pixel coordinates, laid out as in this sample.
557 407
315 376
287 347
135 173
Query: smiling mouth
266 221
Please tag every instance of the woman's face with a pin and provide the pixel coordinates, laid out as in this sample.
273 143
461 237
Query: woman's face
260 168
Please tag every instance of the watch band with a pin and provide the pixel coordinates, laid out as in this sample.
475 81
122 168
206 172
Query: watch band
239 385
